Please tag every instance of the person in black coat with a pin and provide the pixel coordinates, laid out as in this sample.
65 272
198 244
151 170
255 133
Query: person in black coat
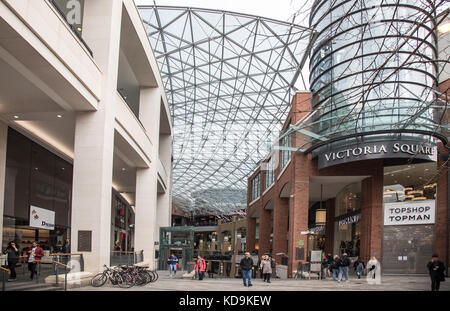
325 267
335 264
246 265
13 258
436 269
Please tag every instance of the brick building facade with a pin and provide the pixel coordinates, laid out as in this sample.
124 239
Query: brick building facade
278 218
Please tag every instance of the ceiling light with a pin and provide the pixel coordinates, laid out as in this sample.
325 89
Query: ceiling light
59 116
16 117
123 169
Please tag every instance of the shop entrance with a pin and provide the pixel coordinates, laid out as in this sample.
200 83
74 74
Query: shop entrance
335 214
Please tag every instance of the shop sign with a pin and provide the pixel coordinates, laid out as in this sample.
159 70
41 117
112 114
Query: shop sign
316 229
349 220
42 218
409 213
390 149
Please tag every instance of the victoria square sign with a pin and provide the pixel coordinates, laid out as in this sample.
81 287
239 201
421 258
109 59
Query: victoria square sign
389 149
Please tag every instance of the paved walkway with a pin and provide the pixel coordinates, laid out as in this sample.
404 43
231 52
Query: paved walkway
388 283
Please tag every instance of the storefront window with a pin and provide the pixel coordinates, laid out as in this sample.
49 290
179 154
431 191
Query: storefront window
35 176
348 199
347 230
415 182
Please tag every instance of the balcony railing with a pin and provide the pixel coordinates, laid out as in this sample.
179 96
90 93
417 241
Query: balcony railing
74 30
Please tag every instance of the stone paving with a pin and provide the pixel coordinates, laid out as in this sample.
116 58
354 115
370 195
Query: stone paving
388 283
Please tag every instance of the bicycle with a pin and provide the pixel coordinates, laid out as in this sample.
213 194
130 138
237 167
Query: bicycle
112 275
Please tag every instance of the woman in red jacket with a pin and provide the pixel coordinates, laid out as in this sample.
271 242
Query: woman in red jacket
200 267
35 253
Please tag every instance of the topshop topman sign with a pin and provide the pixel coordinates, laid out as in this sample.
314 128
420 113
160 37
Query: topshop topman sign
368 151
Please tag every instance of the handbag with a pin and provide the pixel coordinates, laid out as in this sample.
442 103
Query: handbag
178 266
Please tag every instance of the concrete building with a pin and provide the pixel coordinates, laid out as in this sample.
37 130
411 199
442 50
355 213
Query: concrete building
362 162
85 129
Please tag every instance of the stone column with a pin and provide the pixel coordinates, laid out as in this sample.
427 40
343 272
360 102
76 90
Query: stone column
280 225
94 137
147 228
3 144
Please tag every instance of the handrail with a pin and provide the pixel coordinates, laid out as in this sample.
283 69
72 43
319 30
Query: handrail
124 252
66 254
7 270
54 262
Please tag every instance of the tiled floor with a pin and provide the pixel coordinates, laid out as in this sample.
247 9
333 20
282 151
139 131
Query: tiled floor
388 283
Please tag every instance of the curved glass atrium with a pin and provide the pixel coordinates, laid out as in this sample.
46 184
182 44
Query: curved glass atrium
229 79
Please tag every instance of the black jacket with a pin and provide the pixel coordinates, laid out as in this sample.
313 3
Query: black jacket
12 254
246 263
345 261
335 264
436 269
325 263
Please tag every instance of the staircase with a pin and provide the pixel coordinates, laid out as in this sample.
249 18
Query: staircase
31 286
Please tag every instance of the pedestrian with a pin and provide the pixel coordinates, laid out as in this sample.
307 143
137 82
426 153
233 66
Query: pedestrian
345 263
35 253
200 267
330 260
258 265
266 268
436 269
246 265
65 249
325 267
172 261
372 267
13 258
359 266
335 264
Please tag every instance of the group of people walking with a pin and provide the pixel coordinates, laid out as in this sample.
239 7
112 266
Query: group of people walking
34 255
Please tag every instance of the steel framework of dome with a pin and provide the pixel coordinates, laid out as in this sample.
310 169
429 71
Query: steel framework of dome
229 79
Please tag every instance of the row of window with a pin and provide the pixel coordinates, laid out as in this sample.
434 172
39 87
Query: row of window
269 168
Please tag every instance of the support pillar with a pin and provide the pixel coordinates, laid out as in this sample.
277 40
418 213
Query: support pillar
280 226
264 232
441 213
329 226
94 137
372 215
250 235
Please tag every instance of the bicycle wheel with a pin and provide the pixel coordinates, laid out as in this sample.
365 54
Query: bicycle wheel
141 279
155 276
128 280
99 280
116 279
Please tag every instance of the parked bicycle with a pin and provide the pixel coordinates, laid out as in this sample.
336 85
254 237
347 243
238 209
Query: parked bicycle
125 276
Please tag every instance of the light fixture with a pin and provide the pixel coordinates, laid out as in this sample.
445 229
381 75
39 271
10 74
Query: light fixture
59 116
123 169
16 117
321 216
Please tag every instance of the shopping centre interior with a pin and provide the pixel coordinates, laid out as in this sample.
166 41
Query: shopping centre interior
138 131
